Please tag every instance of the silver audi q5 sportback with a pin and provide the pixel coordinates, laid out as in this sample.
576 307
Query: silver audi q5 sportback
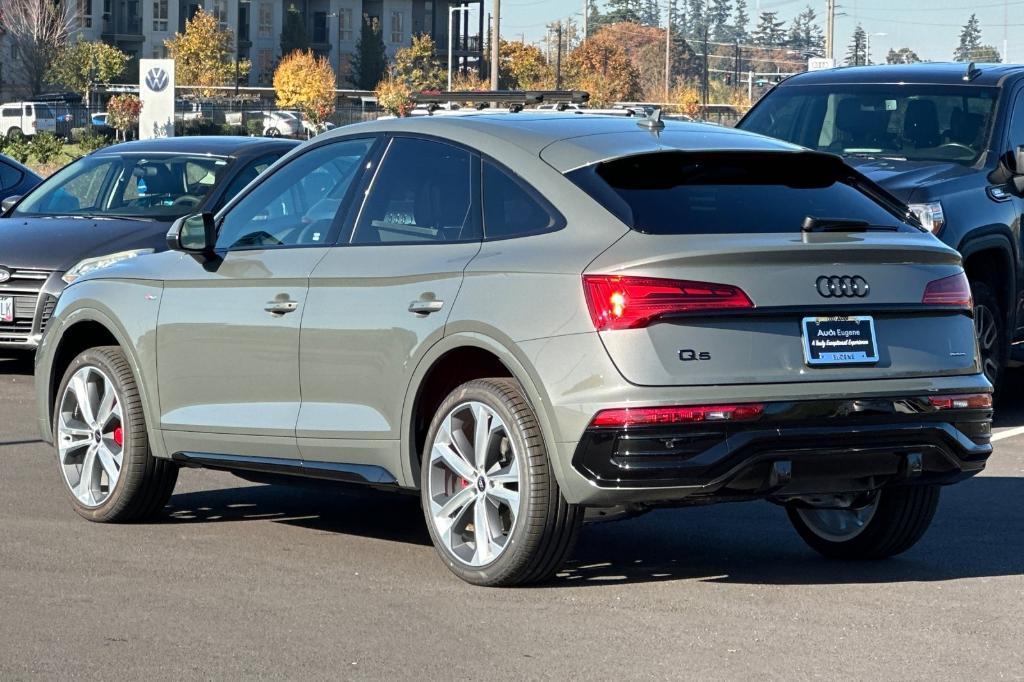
531 319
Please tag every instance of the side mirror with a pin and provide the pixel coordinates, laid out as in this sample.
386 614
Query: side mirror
196 233
1018 169
8 203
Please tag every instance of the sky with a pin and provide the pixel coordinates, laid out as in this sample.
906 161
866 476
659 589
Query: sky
929 27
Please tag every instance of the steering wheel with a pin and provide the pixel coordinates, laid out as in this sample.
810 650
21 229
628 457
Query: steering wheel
187 200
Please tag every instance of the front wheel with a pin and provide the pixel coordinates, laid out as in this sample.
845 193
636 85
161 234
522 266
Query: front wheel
102 446
888 524
494 510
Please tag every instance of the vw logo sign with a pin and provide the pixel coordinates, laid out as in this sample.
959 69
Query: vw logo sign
5 274
842 286
157 79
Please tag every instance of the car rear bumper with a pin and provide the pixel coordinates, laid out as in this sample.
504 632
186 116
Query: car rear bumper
794 449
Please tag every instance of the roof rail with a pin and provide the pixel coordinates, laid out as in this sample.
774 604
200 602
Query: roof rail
515 100
972 72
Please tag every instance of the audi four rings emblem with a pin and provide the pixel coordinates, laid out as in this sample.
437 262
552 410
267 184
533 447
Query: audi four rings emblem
842 286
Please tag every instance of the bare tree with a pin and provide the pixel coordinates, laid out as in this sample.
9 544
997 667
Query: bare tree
37 29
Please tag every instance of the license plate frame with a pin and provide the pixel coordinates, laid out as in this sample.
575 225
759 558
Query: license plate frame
841 340
6 309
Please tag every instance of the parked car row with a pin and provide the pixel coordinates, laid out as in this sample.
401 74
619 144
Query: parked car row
527 319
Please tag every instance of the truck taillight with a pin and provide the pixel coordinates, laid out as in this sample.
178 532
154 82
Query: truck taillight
954 290
628 302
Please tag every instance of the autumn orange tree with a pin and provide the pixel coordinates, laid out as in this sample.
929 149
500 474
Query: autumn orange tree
418 65
305 82
124 111
523 67
601 67
203 54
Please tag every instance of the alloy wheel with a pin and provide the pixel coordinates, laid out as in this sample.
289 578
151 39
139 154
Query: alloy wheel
90 436
986 328
839 525
474 483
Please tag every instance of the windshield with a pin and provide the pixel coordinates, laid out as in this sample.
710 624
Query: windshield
159 187
913 122
731 192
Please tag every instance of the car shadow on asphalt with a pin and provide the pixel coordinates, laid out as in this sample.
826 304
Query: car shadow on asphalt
331 509
977 532
21 364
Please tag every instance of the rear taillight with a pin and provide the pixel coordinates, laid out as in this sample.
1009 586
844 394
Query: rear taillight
954 290
971 401
626 417
628 302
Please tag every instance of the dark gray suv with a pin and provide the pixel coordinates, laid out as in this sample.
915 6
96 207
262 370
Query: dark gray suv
529 319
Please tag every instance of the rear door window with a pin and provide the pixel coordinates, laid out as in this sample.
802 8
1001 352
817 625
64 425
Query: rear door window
729 192
423 192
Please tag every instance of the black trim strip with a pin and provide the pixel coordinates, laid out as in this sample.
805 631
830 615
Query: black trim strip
828 309
332 471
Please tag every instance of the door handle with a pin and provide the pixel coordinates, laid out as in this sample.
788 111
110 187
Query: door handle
281 307
423 307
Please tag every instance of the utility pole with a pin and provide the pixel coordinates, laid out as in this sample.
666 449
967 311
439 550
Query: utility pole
586 17
668 54
704 80
736 64
495 40
558 57
830 28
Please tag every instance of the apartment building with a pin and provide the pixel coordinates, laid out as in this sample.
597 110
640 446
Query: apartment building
140 27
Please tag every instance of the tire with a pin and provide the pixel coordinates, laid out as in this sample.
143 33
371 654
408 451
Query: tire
273 132
990 328
144 483
897 519
14 133
532 544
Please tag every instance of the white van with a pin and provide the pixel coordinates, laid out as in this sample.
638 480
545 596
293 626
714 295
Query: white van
27 118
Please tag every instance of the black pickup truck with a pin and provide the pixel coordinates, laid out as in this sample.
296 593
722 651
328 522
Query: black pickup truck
947 139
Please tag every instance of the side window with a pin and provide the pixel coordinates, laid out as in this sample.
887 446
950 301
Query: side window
510 209
423 192
1017 122
28 110
298 204
250 172
9 176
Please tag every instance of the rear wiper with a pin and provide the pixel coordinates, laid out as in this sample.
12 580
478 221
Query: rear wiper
813 224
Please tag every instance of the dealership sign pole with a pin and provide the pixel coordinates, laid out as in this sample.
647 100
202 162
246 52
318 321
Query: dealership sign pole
156 90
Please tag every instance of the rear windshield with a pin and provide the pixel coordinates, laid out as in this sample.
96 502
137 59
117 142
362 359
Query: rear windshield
732 192
913 122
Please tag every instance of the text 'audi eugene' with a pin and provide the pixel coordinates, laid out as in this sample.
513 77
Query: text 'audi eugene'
527 317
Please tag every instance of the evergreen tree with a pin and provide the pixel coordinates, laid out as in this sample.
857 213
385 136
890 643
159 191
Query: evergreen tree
904 55
370 60
770 31
857 53
970 41
294 37
651 14
718 18
740 21
805 33
697 18
986 54
624 10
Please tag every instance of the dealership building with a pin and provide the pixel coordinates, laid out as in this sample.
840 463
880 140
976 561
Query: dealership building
140 27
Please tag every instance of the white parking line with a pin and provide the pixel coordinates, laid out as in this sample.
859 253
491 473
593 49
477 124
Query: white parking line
1008 433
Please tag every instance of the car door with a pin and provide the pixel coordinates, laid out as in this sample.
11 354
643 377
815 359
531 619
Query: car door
379 300
228 335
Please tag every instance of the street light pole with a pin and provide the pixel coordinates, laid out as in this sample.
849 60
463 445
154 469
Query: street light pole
451 13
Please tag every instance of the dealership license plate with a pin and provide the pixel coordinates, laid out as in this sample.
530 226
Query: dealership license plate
839 340
6 309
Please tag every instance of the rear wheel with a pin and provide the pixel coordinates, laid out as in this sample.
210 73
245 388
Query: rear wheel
494 510
14 133
273 132
888 524
102 447
990 328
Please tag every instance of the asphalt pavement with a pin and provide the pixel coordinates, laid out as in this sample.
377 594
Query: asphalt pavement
240 581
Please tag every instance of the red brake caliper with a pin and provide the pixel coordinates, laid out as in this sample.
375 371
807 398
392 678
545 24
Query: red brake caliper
119 436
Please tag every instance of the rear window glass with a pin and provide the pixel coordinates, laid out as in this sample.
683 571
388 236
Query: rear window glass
728 192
